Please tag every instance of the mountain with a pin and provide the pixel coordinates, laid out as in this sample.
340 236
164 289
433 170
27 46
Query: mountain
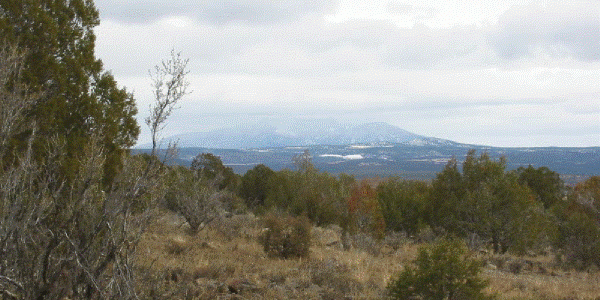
367 150
301 133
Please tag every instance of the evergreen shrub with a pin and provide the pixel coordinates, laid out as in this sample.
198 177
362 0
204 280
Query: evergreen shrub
443 271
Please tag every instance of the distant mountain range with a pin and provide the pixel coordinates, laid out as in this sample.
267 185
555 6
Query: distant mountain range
301 133
367 150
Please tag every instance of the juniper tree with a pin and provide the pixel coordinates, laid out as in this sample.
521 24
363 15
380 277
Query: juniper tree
80 99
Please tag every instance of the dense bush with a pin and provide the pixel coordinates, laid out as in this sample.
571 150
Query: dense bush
546 184
61 233
210 169
578 238
487 201
443 271
364 213
402 204
76 99
286 236
255 185
319 196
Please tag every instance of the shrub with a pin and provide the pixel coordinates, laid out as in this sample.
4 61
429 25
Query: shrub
319 196
443 271
490 202
286 236
199 203
176 245
579 240
364 211
402 204
255 185
334 276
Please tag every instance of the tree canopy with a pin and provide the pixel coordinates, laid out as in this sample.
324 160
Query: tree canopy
210 168
79 99
546 184
487 201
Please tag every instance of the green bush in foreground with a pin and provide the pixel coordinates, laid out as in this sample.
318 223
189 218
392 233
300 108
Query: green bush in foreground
286 236
443 271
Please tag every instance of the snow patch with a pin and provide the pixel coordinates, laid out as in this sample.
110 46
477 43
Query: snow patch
262 150
416 142
348 157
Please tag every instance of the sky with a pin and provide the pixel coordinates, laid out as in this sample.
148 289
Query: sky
499 73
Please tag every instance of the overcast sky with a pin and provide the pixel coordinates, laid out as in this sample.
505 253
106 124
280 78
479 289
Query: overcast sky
499 73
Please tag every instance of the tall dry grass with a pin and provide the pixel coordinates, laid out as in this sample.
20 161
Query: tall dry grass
225 261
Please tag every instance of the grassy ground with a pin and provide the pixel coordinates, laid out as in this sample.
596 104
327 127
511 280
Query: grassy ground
225 261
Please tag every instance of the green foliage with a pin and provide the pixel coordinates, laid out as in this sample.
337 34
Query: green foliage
448 189
578 234
78 99
286 236
73 203
317 195
489 202
505 212
179 179
255 185
546 184
402 204
15 101
580 241
443 271
482 169
210 169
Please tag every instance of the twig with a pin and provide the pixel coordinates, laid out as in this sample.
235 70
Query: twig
12 281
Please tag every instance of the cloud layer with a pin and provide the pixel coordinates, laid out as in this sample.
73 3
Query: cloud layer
505 74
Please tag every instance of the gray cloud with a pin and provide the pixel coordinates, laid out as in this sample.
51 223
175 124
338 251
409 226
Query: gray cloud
215 12
536 68
261 11
424 48
143 11
414 11
560 29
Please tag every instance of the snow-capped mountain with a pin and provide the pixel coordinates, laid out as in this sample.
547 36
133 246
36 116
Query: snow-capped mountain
302 133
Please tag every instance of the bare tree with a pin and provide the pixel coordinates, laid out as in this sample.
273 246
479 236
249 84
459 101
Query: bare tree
170 85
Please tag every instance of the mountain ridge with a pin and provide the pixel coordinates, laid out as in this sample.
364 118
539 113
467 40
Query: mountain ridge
367 150
303 133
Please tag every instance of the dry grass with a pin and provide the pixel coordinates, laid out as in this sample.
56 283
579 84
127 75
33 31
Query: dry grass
555 285
226 262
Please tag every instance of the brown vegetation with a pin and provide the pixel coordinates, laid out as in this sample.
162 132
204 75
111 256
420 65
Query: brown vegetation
217 265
